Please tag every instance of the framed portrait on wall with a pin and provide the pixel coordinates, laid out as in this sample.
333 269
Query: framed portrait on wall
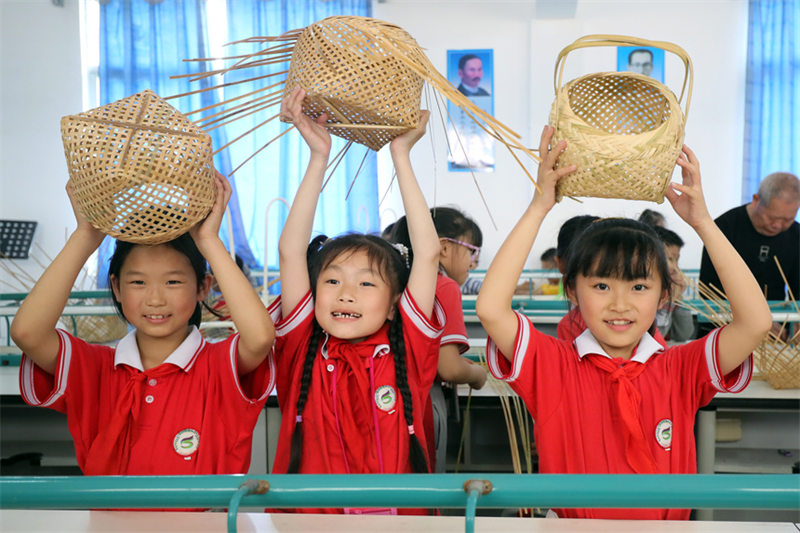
472 73
645 60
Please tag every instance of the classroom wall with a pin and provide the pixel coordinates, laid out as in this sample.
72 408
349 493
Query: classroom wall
526 38
40 81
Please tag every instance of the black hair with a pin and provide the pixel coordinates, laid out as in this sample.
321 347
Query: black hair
620 248
462 61
652 218
637 50
392 268
668 237
449 223
548 255
183 244
569 231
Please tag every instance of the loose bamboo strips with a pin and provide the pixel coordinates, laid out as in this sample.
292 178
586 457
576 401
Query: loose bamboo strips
777 357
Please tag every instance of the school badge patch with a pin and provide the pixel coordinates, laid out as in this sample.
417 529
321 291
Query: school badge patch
186 442
664 433
385 397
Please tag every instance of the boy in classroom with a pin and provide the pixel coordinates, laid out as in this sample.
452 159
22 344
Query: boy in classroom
164 401
615 400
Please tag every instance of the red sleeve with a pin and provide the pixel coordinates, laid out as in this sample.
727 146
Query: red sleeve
422 337
292 335
699 360
536 356
455 331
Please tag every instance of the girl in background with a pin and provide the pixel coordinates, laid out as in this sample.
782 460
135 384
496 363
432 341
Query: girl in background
358 342
460 240
615 400
164 401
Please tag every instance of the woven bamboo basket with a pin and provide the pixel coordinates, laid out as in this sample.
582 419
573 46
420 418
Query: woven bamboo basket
367 74
778 362
141 171
624 130
101 329
370 95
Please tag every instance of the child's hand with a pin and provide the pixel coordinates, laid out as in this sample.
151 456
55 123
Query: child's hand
314 132
548 176
406 141
84 226
208 228
690 203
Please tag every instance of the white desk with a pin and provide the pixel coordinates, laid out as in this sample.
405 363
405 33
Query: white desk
105 521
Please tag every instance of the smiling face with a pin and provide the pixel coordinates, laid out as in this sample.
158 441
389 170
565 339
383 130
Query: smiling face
618 312
352 299
158 290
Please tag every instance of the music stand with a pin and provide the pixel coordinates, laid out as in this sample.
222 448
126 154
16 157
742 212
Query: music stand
16 237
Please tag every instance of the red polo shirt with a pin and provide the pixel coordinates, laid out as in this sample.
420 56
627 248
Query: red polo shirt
340 433
197 419
575 427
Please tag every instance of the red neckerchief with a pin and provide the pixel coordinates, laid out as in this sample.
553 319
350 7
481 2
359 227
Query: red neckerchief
355 393
626 399
110 451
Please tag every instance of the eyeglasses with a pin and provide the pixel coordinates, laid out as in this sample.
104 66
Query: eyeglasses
475 251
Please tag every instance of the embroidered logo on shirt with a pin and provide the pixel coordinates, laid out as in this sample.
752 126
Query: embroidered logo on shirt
186 442
664 433
385 397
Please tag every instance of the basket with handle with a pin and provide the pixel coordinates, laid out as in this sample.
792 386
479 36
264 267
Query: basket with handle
624 130
140 170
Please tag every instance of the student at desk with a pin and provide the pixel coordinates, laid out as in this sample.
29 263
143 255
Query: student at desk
615 400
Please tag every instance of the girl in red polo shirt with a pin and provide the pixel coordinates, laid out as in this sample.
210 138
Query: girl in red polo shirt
163 401
358 342
614 400
460 239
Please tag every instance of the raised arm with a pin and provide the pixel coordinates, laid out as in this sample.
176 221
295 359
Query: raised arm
256 331
494 301
34 326
751 315
421 231
297 230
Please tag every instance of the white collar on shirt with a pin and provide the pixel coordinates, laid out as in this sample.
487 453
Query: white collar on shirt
585 343
127 352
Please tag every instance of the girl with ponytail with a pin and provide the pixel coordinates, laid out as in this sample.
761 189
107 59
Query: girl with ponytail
358 330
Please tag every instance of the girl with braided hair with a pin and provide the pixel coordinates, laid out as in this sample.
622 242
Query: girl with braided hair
358 330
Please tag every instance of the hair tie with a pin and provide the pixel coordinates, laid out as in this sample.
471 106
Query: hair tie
298 419
402 249
411 429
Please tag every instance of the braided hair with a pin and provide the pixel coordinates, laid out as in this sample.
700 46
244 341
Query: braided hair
392 268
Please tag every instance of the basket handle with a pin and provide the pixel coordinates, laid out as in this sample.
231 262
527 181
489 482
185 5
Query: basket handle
589 41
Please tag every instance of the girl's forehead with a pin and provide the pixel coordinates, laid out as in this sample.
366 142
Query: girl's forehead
158 257
353 260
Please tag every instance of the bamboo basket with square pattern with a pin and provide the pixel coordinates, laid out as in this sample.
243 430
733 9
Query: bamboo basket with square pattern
624 130
140 170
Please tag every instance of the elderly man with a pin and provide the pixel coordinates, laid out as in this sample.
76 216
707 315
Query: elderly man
763 230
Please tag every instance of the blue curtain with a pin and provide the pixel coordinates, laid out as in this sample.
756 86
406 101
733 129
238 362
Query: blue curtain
142 44
772 108
277 171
